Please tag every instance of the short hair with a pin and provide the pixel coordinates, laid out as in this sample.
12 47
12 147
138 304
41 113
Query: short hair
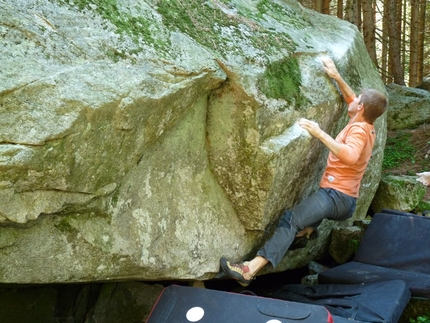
374 104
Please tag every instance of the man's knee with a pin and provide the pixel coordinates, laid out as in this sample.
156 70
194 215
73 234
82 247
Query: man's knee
285 220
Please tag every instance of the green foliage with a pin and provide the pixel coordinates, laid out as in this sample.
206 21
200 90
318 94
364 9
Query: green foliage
398 149
421 319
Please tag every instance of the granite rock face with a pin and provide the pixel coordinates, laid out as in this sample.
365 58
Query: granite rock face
145 139
409 107
398 192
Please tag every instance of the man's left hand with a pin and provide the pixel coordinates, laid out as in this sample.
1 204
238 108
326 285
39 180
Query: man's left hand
311 126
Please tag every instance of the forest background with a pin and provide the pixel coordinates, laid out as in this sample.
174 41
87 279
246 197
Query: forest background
395 32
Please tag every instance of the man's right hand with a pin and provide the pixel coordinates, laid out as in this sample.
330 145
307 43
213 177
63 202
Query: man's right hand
332 71
330 68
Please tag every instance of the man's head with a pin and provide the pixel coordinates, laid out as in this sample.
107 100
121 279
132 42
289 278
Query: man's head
374 104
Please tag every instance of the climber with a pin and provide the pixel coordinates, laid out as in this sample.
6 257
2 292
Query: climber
336 198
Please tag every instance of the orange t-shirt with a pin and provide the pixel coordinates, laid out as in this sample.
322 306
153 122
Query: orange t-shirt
344 173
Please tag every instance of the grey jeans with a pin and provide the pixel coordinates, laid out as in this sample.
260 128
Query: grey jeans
326 203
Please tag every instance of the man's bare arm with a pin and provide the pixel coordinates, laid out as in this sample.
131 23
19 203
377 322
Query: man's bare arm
347 154
331 70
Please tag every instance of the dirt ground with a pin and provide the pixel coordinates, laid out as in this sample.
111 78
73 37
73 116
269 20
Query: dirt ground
420 140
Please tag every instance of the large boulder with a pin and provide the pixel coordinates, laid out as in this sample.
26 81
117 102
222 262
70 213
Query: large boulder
402 193
409 107
425 83
145 139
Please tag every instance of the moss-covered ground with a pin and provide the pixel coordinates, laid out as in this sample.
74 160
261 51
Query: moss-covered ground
407 152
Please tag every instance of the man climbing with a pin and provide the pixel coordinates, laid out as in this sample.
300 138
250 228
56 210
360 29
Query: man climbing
336 198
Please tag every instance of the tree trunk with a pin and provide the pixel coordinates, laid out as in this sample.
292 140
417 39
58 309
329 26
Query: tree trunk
353 12
405 45
322 6
413 45
326 7
349 11
317 5
357 14
394 45
369 29
385 68
340 9
421 41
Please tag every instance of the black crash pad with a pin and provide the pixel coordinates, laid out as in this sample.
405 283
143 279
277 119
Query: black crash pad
372 302
394 246
356 272
182 304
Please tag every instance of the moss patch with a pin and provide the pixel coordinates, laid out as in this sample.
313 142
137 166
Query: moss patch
65 227
422 206
282 80
282 13
213 28
414 146
137 28
211 25
398 149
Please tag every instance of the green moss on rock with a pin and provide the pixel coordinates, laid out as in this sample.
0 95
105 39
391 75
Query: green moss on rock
213 28
210 25
423 206
283 13
282 80
135 27
64 226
